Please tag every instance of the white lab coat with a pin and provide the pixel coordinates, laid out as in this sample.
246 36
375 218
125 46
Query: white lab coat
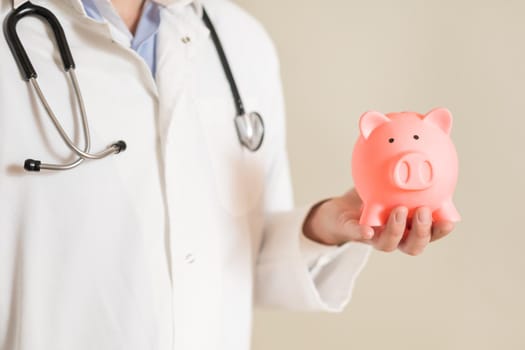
168 245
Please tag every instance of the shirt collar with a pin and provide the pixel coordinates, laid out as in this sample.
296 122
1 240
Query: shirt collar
175 4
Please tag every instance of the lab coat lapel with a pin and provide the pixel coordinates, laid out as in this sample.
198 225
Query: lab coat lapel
180 37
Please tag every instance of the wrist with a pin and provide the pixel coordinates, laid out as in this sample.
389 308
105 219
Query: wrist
311 228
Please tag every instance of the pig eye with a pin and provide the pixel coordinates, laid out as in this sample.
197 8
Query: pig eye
390 140
416 137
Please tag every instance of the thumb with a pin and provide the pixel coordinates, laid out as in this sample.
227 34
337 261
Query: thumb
350 229
335 222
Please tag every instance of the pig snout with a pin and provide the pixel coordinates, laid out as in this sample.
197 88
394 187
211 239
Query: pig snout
413 171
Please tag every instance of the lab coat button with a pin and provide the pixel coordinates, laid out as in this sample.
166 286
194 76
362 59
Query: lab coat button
189 259
185 39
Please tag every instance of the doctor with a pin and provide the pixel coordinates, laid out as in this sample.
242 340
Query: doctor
168 245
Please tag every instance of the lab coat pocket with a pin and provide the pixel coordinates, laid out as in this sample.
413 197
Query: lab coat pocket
238 172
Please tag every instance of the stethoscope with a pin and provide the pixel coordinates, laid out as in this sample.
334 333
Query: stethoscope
249 126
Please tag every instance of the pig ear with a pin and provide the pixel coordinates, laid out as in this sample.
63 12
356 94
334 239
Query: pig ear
370 121
440 117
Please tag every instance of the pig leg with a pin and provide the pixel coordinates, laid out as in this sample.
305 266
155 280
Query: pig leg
371 215
447 212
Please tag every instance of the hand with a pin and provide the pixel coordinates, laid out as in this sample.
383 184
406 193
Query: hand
336 221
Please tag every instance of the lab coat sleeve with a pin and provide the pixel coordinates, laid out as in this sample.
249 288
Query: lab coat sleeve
293 271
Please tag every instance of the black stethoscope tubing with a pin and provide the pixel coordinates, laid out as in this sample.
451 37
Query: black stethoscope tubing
19 52
239 106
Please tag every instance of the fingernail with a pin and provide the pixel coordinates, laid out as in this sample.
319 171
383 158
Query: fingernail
423 216
368 233
401 215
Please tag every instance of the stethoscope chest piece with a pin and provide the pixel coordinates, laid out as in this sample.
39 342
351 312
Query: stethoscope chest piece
250 130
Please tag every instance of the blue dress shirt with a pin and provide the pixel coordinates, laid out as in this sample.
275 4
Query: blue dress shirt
144 42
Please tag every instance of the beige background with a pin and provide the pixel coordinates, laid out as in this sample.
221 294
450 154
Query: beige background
340 58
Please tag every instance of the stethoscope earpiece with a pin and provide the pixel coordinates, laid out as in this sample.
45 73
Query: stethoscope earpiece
120 146
32 165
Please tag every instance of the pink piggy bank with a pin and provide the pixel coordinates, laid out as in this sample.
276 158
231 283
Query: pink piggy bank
405 159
